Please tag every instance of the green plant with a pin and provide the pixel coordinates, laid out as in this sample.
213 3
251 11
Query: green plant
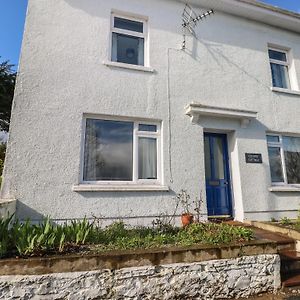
77 232
273 220
27 239
23 237
46 237
285 221
4 236
163 225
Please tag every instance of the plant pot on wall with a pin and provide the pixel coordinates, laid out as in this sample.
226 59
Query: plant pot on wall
187 219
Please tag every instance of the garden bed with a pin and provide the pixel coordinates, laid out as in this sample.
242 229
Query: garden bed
290 228
27 239
82 260
293 224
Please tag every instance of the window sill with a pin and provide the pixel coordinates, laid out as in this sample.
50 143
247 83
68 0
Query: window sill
284 188
119 188
285 91
128 66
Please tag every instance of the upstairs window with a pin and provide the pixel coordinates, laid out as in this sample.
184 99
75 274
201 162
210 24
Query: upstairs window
128 40
279 68
284 158
122 151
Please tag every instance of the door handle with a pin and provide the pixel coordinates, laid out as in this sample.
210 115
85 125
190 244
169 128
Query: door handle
226 182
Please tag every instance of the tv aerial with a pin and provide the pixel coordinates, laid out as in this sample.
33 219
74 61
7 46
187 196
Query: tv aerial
190 20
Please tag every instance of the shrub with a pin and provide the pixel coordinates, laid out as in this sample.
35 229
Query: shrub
27 239
285 221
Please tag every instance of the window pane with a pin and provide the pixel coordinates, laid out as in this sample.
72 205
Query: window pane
147 158
144 127
127 49
218 158
278 55
273 138
128 24
108 152
280 76
207 158
291 147
275 164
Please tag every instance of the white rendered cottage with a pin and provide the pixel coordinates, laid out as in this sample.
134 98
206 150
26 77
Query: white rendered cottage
118 107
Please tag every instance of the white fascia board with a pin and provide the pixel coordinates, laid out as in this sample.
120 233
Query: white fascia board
253 10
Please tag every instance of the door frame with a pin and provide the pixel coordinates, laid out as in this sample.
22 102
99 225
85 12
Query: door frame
227 172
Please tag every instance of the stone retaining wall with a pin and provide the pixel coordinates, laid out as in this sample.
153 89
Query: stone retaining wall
215 279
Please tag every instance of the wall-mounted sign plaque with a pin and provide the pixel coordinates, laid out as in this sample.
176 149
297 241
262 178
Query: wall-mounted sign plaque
253 158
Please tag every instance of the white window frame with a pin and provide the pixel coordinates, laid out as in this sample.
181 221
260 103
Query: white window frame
282 156
136 134
144 35
282 63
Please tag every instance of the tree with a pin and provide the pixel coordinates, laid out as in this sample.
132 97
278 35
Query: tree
7 86
2 156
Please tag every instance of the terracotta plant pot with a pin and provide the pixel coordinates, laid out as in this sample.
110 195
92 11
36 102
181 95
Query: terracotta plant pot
187 219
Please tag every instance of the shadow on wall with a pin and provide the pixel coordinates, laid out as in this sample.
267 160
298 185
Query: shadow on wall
24 212
91 7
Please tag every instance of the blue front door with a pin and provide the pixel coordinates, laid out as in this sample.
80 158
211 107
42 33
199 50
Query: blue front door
217 175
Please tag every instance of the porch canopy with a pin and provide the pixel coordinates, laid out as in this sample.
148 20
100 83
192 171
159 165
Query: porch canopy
195 110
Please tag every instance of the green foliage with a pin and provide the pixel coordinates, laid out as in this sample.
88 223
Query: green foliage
77 232
117 236
2 156
4 236
211 233
7 86
286 221
27 239
273 220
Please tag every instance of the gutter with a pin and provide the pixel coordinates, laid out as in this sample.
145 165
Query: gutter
252 10
271 8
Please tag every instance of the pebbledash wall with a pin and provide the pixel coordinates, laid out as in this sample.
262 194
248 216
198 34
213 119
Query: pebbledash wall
227 278
65 73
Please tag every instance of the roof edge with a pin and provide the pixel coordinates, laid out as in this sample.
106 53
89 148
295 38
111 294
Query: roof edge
271 8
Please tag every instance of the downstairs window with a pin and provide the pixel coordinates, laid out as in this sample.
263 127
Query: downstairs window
284 158
121 151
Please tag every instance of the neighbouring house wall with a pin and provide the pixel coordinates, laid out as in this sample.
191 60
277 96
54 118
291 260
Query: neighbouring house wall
228 278
62 76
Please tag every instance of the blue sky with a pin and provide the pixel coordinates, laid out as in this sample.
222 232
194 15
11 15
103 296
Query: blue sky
293 5
12 16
